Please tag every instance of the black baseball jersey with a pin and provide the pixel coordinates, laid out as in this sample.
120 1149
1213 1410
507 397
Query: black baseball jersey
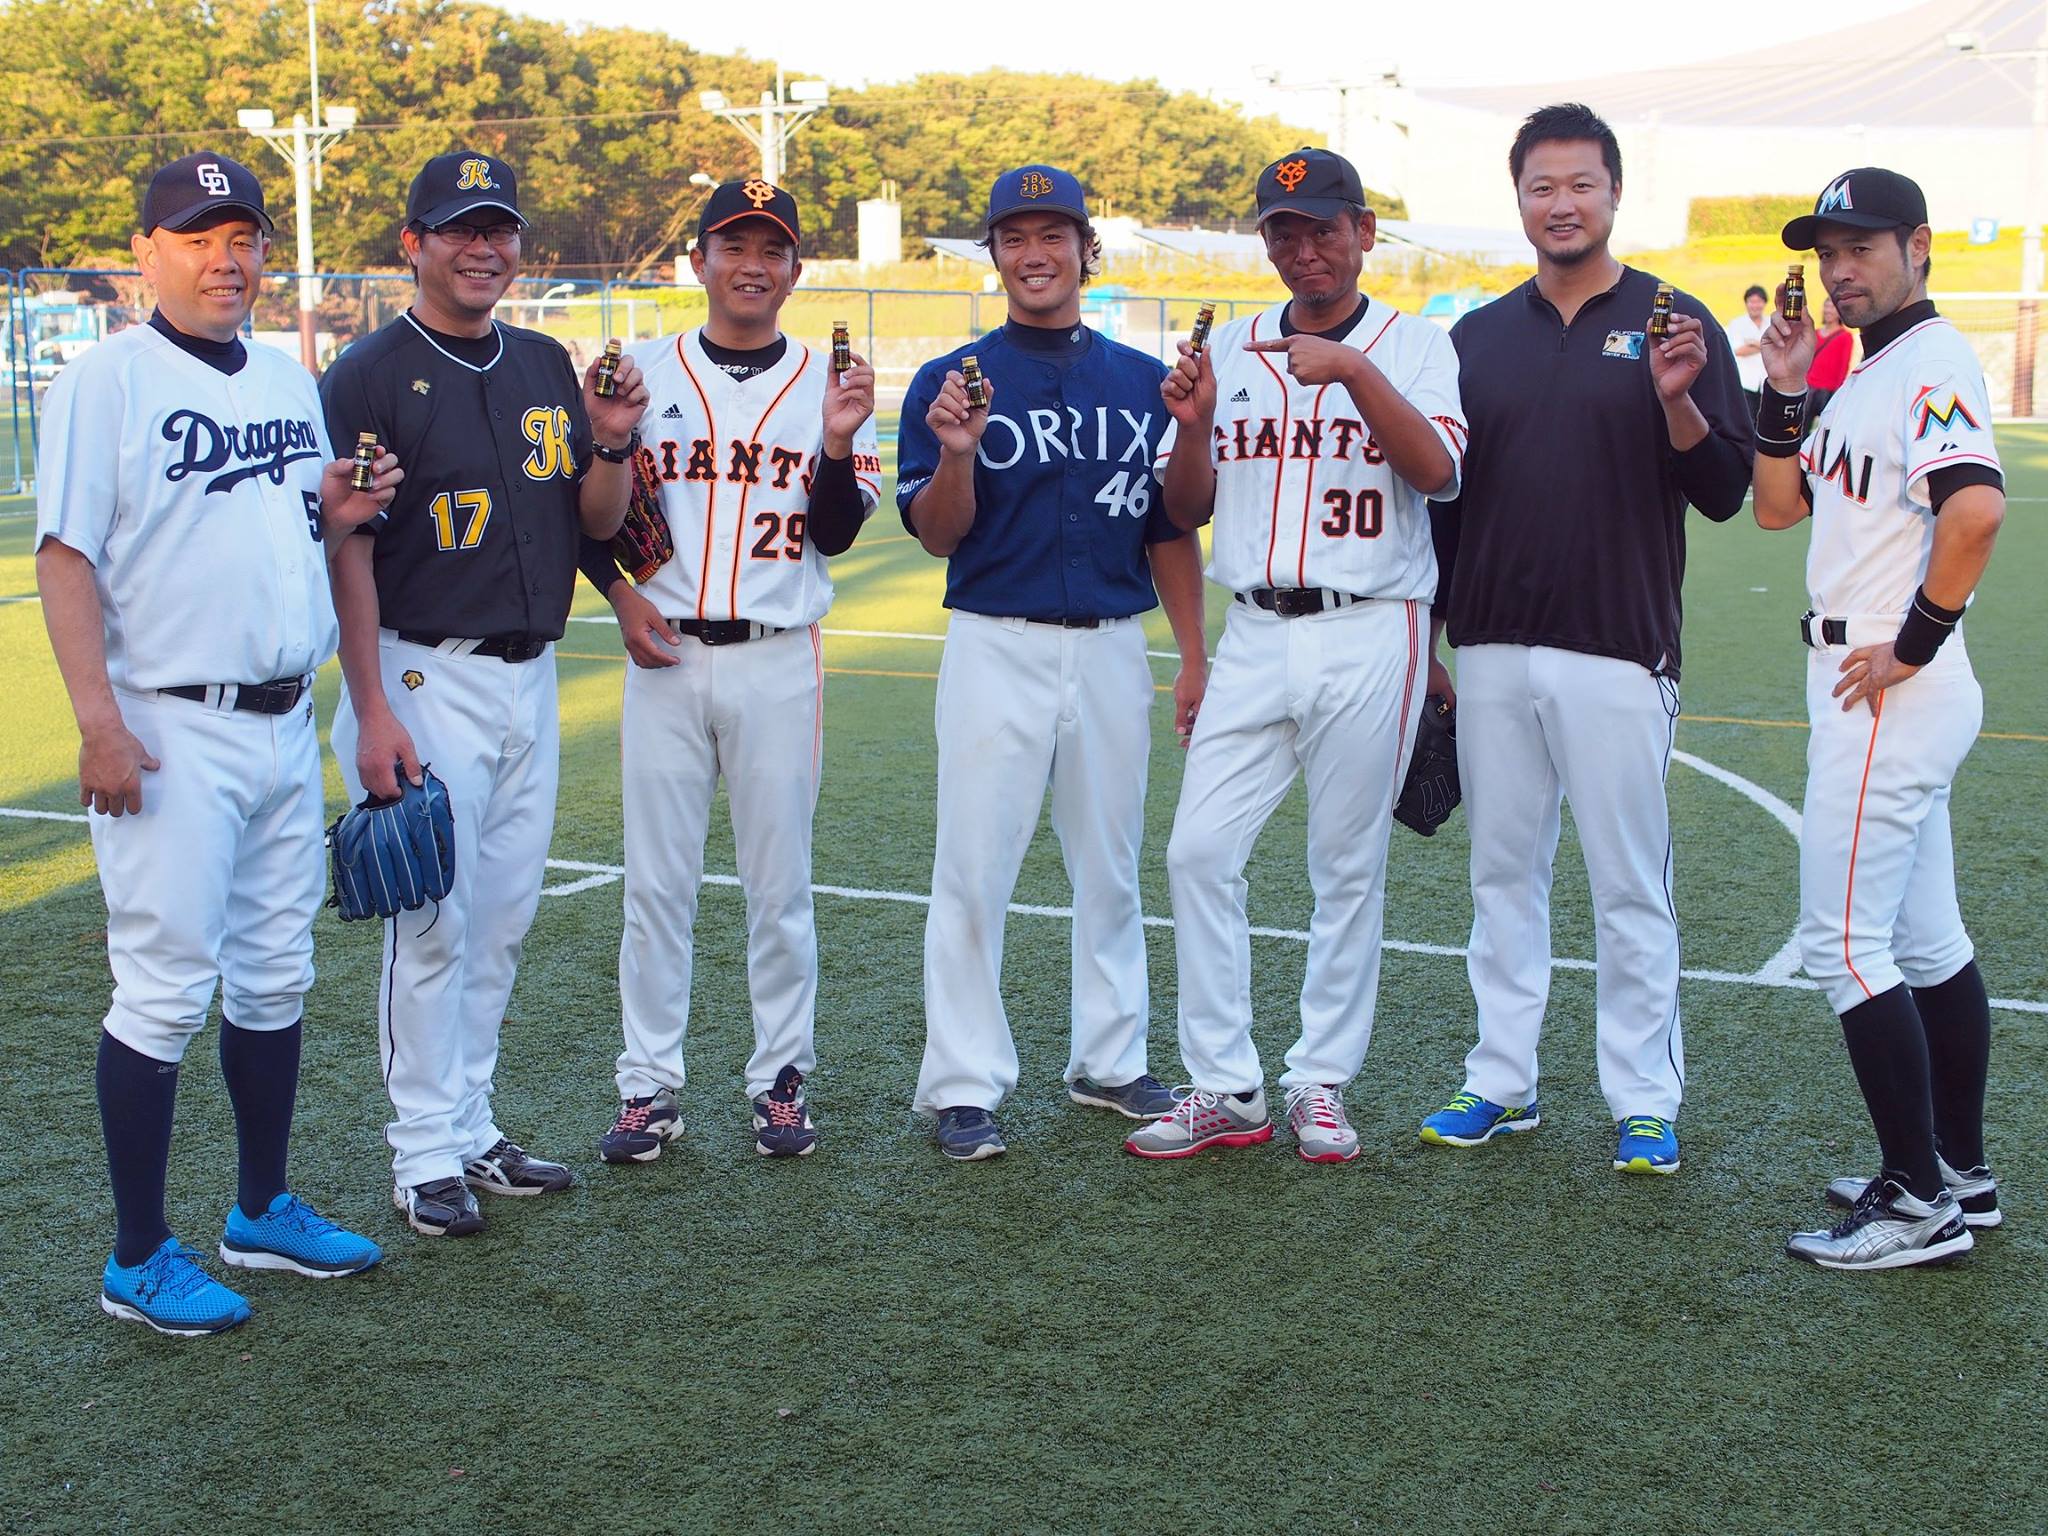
481 540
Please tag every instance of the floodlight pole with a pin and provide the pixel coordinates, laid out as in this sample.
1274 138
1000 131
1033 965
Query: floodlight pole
780 116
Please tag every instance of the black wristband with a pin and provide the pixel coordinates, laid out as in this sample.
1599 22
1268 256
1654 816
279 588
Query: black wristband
618 455
1927 624
1780 418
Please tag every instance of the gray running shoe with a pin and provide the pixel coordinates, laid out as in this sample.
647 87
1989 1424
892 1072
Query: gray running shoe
1976 1191
1203 1120
1888 1229
1322 1134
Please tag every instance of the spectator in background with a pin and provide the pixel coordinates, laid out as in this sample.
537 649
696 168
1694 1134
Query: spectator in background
1830 367
1746 336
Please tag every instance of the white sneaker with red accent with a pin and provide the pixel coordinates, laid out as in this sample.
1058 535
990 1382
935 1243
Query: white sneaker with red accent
1203 1120
1322 1133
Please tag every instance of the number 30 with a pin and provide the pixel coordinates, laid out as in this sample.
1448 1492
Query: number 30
1371 507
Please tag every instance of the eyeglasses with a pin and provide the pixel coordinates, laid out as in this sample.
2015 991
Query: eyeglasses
465 234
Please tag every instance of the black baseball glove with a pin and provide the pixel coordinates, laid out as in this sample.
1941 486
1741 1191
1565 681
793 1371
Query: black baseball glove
1430 792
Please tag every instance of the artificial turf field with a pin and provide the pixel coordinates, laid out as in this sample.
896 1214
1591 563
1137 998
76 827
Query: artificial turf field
1065 1339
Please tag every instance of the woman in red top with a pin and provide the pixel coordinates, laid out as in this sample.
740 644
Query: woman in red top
1830 367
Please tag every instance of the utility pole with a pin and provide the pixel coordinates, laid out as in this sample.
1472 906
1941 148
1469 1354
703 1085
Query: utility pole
781 112
301 147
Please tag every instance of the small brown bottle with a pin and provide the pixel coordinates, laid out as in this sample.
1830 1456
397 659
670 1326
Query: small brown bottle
1198 338
842 346
977 391
363 477
1795 291
1660 313
607 383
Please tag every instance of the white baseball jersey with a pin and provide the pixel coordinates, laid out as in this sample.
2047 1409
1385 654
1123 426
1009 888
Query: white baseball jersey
196 496
1915 406
735 457
1304 498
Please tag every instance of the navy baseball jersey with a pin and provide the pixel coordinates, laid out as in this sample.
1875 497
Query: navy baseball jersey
1064 491
481 540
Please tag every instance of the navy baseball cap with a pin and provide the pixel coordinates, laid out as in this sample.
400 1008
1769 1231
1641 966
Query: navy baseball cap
1311 182
1036 189
191 189
753 198
460 182
1865 198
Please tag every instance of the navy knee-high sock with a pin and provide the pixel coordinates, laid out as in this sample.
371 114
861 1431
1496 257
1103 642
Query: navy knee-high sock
1957 1017
261 1069
1888 1049
137 1096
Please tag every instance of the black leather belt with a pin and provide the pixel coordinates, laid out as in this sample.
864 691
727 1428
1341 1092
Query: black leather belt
505 648
1831 631
1069 623
1297 602
277 697
724 631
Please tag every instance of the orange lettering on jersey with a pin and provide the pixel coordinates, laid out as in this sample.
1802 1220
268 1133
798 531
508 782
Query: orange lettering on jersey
1267 445
1308 440
701 466
785 461
746 463
1840 469
1348 431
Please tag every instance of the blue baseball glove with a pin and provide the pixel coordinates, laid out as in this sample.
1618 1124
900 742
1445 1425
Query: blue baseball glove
392 856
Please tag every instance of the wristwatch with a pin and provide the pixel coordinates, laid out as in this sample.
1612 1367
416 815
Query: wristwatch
617 455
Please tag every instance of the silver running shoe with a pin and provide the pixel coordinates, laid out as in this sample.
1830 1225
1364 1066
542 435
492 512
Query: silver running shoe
1203 1120
1976 1191
1888 1229
1322 1133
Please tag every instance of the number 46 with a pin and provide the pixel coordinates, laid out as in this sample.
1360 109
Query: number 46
1126 492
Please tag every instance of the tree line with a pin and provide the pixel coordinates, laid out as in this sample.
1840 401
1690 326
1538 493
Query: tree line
601 124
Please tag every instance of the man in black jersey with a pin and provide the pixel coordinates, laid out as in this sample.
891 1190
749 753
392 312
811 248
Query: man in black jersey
450 605
1562 560
764 454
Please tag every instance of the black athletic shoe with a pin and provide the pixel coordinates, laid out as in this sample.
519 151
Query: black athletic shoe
782 1121
644 1124
442 1208
1975 1189
507 1170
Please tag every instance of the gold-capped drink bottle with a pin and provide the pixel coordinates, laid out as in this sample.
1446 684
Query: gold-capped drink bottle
1795 291
842 346
607 383
1660 313
363 476
977 392
1198 338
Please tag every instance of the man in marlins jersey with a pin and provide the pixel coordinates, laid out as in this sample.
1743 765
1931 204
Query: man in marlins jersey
1044 506
766 461
1899 473
183 492
450 606
1311 432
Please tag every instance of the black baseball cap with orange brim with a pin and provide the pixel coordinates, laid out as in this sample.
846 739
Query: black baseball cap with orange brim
1315 183
753 198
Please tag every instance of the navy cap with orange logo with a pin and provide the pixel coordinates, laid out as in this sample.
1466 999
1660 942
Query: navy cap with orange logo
1036 189
459 182
750 199
1314 183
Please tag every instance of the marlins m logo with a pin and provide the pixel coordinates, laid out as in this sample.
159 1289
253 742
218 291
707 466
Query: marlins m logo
1291 173
1836 197
1035 184
474 175
1945 413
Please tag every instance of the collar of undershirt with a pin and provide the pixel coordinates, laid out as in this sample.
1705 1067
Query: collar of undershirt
1882 333
445 344
1047 341
744 362
227 356
1336 332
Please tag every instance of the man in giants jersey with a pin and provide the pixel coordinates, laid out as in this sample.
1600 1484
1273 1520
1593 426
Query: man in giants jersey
1312 433
1899 473
184 491
1043 503
766 462
450 605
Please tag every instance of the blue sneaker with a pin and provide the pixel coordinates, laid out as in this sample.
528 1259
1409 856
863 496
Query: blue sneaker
1469 1120
1143 1098
968 1134
171 1293
292 1235
1648 1145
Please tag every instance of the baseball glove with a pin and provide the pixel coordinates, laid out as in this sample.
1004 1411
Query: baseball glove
643 544
1430 792
392 856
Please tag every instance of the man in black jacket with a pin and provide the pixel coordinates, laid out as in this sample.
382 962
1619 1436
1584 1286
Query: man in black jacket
1561 564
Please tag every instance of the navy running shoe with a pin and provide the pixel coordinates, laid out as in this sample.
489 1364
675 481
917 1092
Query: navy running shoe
782 1121
968 1134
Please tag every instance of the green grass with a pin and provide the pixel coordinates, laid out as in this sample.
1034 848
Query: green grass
1065 1339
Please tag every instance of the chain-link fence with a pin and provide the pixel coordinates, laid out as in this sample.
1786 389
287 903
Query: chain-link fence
54 316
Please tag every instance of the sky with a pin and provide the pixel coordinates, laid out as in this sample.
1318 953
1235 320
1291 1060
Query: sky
1220 49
